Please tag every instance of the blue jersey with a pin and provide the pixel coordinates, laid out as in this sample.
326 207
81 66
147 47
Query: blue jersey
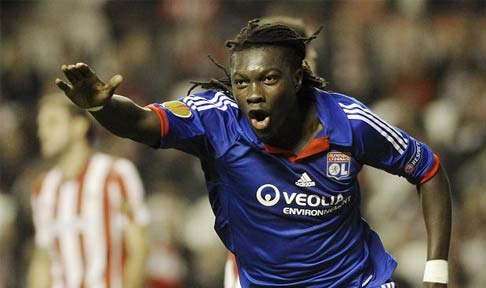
294 220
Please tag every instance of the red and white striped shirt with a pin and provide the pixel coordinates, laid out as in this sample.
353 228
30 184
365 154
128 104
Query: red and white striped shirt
80 222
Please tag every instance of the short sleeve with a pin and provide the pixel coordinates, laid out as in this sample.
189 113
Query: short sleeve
386 147
202 124
180 127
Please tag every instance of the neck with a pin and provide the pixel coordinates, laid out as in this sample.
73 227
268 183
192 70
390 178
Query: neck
300 129
72 162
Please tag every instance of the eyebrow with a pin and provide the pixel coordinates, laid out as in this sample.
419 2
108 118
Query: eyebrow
266 71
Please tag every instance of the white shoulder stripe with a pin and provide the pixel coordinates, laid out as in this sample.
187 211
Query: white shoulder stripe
389 132
367 281
223 105
219 101
373 115
377 128
198 100
393 132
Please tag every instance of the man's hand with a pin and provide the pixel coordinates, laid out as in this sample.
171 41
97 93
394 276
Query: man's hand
434 285
87 90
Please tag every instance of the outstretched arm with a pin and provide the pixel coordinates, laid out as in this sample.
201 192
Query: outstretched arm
118 114
436 203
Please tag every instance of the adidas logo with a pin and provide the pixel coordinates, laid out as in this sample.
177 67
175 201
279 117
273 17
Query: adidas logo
305 181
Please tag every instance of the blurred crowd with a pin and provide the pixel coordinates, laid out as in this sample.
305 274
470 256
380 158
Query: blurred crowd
421 65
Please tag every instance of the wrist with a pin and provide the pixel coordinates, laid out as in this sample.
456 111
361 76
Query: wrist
95 108
100 107
436 271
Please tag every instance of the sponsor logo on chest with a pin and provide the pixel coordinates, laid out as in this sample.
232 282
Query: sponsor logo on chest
301 203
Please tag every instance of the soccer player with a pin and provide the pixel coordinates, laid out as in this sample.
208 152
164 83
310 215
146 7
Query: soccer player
281 158
231 278
88 210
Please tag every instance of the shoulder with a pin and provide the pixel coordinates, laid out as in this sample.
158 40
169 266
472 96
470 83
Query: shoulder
124 167
219 117
216 112
104 166
336 104
202 109
198 107
357 114
115 164
352 123
344 102
369 129
209 101
335 110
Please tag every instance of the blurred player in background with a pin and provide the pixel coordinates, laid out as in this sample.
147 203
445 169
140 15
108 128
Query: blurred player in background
88 210
281 158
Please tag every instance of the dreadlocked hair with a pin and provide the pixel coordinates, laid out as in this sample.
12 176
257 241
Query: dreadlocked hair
256 34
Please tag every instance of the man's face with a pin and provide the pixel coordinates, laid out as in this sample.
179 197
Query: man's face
55 129
265 87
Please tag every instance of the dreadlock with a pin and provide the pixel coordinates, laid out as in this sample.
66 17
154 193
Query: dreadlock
257 34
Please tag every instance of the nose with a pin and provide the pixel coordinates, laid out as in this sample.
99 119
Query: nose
255 94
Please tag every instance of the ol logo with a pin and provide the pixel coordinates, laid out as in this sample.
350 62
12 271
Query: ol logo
338 164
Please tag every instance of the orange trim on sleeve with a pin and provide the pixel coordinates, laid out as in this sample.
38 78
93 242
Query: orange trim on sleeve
431 173
164 123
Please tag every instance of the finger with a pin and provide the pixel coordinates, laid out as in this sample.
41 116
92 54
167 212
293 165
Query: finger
84 70
69 74
75 73
63 86
114 82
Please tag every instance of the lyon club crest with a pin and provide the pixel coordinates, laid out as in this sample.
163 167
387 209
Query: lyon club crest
338 164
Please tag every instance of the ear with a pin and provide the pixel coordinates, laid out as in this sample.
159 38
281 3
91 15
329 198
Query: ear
298 76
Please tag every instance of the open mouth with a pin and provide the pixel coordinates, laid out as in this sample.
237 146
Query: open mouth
259 119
